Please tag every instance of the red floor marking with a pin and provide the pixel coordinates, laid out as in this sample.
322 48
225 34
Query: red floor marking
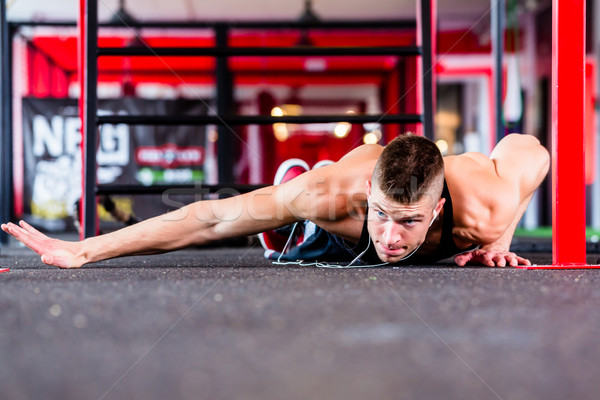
559 266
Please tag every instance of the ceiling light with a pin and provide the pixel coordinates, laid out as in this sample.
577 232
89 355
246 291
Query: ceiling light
370 138
442 145
281 132
342 129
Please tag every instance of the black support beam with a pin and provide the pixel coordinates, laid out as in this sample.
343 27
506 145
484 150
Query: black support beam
254 119
228 140
356 24
176 189
5 121
89 113
223 51
497 33
427 59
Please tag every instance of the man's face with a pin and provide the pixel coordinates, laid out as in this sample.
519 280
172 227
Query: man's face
397 229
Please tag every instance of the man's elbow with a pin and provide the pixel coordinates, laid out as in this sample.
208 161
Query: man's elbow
492 227
541 158
489 234
535 165
545 160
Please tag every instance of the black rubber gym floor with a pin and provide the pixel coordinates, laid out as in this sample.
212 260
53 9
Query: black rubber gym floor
226 324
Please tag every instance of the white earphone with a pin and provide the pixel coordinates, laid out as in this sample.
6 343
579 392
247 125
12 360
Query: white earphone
435 214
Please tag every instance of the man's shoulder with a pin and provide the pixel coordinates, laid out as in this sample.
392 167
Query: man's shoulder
466 163
472 174
350 173
365 151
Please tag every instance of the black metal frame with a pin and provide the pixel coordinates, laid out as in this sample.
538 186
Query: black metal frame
89 112
6 198
224 120
427 65
220 188
497 34
225 106
262 25
260 51
234 120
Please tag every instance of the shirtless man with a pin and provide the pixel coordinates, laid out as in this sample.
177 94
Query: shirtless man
395 195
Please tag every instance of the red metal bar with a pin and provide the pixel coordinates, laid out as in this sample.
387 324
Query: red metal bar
568 167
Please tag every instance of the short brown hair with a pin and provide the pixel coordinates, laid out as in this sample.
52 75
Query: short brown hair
410 167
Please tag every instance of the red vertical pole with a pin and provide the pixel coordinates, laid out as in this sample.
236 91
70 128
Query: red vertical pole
568 161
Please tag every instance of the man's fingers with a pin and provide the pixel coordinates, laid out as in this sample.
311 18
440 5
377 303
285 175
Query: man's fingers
462 259
53 260
6 227
60 259
24 237
514 260
23 231
30 229
523 261
500 261
504 259
30 237
60 256
490 258
511 259
16 231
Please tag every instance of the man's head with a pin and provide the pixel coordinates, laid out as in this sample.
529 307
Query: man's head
404 195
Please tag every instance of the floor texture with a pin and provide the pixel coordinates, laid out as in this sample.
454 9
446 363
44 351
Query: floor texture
226 324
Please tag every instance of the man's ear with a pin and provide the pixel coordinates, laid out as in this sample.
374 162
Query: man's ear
440 205
368 188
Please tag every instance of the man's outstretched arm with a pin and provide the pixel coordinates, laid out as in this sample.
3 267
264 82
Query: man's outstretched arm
195 224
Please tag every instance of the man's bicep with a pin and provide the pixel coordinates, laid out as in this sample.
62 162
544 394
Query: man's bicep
246 214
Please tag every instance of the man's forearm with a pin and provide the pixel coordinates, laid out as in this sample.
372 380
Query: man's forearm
198 223
171 231
506 238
